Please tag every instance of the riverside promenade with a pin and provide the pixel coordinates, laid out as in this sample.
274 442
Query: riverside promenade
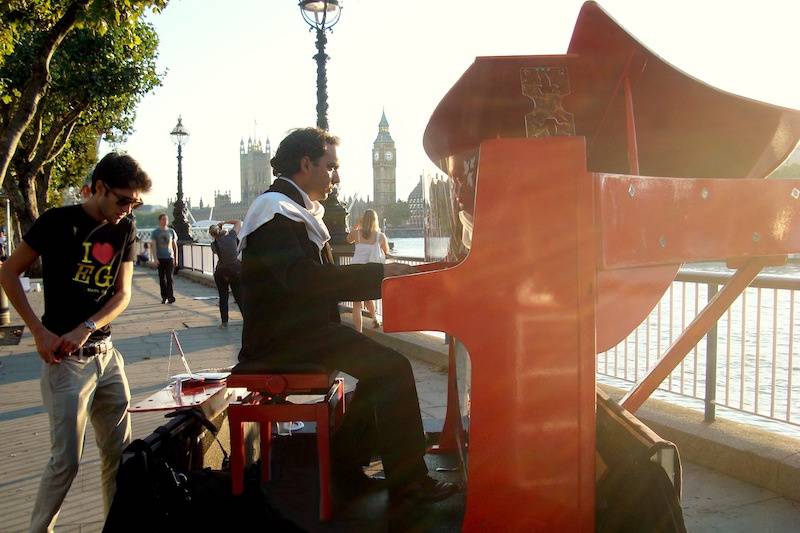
711 501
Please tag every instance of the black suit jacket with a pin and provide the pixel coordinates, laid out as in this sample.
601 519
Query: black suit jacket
290 289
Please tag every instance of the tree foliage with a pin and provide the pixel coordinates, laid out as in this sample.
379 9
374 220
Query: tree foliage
97 78
43 25
397 214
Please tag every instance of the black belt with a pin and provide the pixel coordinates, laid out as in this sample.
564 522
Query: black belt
95 348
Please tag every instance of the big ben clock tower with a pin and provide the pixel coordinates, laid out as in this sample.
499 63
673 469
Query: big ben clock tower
384 167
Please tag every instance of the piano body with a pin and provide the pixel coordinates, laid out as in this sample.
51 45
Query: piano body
577 185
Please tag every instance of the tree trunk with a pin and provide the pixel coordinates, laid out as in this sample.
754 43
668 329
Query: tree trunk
34 88
22 194
42 186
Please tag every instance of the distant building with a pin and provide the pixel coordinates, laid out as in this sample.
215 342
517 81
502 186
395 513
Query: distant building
355 208
255 172
416 205
384 167
255 177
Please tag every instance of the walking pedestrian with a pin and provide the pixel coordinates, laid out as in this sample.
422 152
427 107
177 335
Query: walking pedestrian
165 244
87 253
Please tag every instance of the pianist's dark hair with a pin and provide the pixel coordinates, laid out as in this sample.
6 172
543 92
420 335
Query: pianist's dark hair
299 143
120 171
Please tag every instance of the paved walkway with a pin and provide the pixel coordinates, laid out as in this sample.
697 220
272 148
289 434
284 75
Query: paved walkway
712 502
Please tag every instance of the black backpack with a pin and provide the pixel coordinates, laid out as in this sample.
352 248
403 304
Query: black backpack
639 484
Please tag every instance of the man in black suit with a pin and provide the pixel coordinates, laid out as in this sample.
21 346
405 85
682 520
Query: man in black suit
290 292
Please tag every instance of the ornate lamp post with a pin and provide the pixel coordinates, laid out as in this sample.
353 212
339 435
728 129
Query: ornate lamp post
180 136
322 16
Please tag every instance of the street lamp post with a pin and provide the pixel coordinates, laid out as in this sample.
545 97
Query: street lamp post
322 16
180 136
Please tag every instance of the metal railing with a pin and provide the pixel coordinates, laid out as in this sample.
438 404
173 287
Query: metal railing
746 363
198 257
344 259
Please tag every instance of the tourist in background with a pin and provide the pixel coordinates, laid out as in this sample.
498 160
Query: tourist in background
371 247
165 244
229 268
143 257
87 253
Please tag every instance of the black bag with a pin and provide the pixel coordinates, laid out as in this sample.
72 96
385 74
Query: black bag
155 494
639 482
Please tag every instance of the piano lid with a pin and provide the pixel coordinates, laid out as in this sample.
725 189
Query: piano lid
684 127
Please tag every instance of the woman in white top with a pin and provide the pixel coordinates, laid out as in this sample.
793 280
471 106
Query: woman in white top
371 247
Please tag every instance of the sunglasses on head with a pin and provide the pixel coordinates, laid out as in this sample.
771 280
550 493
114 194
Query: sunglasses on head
124 201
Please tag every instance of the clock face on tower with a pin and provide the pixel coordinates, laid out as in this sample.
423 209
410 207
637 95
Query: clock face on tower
376 155
388 156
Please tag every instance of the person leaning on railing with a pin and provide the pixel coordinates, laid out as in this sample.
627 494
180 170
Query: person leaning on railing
229 268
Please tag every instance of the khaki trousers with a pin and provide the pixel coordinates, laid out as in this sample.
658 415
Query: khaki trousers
74 391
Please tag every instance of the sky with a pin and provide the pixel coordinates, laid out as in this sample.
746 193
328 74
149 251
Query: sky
244 68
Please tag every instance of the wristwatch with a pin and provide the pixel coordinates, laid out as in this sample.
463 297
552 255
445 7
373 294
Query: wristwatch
90 325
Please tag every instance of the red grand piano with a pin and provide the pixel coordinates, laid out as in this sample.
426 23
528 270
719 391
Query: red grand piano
577 184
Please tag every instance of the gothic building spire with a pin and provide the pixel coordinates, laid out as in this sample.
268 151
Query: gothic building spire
255 172
384 167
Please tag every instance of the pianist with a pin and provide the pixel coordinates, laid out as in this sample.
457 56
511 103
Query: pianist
290 292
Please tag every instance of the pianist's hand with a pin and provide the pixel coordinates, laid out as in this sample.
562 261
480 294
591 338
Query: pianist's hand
396 269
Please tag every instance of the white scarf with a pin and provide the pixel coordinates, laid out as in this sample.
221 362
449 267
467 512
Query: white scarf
267 205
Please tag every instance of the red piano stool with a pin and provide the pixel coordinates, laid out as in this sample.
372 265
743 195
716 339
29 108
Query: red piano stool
266 403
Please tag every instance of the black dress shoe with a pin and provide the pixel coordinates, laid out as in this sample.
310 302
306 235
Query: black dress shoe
163 300
171 300
424 490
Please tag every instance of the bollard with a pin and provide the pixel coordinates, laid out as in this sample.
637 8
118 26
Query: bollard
5 312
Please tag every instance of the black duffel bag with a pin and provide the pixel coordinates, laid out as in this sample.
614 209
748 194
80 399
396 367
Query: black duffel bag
156 492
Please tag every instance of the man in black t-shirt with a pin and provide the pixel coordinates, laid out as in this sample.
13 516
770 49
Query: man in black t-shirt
229 268
87 256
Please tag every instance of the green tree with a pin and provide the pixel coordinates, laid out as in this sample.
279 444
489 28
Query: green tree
97 80
397 214
50 22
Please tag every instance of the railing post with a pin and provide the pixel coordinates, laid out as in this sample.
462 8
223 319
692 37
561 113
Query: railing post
711 364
